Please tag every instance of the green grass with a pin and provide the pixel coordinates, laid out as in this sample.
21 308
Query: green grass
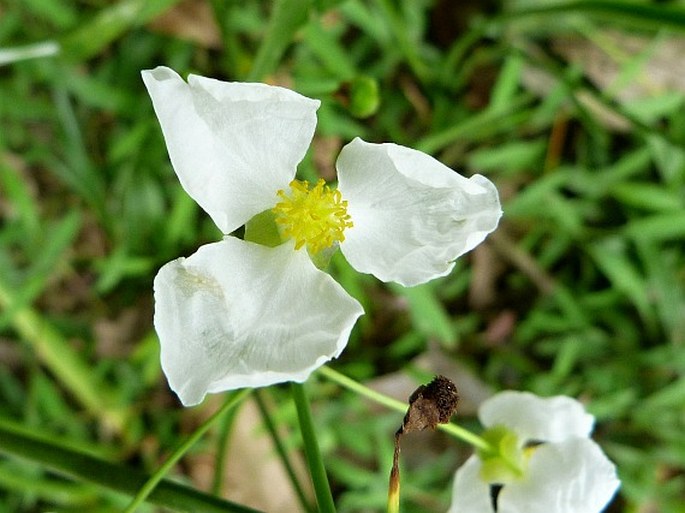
580 291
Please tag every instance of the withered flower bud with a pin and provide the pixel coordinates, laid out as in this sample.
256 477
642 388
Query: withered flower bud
430 405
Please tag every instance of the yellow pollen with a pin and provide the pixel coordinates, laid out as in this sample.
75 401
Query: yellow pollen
314 217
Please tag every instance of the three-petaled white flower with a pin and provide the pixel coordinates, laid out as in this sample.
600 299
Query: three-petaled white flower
550 464
237 313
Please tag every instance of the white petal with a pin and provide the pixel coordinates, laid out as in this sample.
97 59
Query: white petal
412 215
534 418
237 314
573 476
232 145
470 494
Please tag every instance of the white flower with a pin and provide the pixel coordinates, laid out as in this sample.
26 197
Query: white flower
237 313
562 469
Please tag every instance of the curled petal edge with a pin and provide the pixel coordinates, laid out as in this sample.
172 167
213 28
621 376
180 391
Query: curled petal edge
412 215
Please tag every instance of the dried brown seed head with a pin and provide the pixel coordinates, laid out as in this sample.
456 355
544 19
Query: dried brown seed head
430 405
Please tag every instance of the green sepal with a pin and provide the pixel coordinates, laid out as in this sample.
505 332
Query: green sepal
507 461
323 257
262 229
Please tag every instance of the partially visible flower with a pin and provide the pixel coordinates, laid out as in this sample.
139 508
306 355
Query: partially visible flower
258 311
545 461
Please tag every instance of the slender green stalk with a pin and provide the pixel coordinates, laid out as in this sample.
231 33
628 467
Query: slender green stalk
224 432
60 457
453 429
151 483
281 450
466 436
394 483
317 470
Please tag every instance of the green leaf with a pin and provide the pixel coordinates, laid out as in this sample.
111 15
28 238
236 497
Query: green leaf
109 24
668 157
658 228
509 157
627 13
22 207
120 478
58 12
329 51
64 362
287 18
57 238
27 483
428 313
120 264
611 258
486 123
648 196
504 91
652 108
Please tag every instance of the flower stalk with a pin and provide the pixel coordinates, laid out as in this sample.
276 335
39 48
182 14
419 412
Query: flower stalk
282 451
394 484
317 470
232 402
453 429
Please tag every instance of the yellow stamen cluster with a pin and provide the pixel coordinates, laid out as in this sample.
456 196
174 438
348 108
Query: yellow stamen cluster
314 217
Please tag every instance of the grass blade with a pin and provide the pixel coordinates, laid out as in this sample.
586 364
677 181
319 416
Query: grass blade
287 18
112 476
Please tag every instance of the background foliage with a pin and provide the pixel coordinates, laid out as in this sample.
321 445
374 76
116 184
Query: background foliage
574 109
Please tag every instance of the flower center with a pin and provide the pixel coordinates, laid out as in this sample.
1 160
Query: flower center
506 461
314 217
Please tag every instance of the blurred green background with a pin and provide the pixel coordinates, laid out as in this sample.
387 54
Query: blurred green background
574 109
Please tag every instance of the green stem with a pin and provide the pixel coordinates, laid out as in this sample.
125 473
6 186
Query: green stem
453 429
17 440
317 470
282 451
223 435
394 482
151 483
